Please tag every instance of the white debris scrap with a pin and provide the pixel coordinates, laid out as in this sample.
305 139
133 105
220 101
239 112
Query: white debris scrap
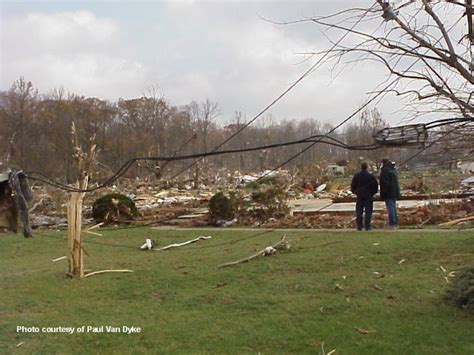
321 188
269 251
148 245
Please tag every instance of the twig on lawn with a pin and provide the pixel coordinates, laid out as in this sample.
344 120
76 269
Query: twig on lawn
60 258
181 244
328 244
256 255
105 271
364 331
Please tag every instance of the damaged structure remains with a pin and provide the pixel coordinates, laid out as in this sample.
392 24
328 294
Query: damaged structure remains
15 196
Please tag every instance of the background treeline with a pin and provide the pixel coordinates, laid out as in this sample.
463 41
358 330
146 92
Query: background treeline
35 135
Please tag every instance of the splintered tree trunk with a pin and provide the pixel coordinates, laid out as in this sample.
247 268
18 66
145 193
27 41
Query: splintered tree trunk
74 215
84 163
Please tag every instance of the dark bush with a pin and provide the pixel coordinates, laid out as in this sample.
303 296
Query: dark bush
462 290
269 202
260 204
114 208
220 208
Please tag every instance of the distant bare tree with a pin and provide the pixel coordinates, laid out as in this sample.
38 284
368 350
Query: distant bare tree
17 120
370 122
208 112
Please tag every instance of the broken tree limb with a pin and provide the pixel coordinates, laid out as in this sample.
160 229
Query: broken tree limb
256 255
456 221
181 244
104 272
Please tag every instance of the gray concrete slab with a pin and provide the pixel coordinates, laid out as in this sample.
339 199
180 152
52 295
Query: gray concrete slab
326 205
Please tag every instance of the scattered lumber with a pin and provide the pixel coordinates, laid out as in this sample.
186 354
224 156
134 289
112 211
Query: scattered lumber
456 221
182 244
262 252
104 272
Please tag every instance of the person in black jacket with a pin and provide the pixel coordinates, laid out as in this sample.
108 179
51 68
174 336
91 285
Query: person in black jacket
390 191
365 186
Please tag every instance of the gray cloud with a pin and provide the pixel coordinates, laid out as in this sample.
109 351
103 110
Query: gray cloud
221 50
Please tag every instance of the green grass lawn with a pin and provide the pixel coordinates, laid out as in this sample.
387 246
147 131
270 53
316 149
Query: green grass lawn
332 290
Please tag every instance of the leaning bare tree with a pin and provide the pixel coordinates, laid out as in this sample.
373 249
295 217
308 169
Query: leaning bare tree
426 48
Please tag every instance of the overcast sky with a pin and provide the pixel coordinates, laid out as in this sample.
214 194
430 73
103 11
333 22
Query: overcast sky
189 50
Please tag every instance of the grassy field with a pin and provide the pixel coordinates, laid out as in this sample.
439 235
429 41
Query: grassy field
356 293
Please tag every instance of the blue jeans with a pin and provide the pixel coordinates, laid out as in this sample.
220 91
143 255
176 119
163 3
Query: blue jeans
391 205
367 205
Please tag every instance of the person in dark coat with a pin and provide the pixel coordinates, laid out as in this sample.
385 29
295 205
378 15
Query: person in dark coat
365 186
390 191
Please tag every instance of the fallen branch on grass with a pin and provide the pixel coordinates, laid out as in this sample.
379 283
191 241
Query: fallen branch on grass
104 271
60 258
182 244
264 251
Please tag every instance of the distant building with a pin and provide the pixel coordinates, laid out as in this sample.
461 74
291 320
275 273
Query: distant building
466 167
336 169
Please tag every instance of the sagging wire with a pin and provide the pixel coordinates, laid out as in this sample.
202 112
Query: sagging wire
128 164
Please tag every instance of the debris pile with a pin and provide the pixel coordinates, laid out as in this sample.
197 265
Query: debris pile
262 200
